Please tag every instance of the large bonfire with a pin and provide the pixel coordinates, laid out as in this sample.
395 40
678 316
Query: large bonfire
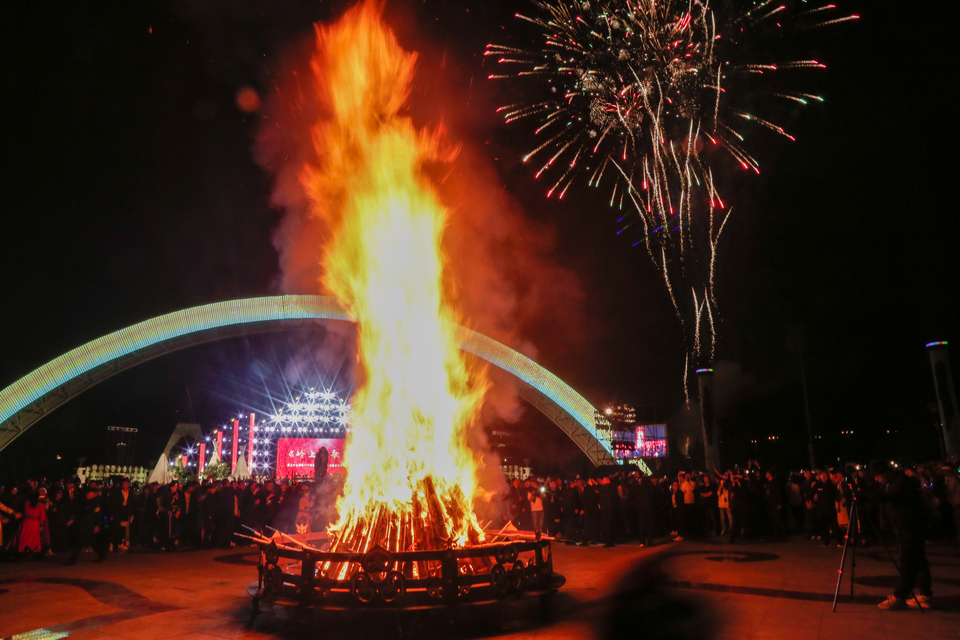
411 476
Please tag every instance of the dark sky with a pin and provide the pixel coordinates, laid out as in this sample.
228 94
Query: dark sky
131 191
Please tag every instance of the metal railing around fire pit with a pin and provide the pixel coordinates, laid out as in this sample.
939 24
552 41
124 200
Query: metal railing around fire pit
295 574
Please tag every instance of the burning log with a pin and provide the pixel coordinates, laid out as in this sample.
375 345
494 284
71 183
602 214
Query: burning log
425 524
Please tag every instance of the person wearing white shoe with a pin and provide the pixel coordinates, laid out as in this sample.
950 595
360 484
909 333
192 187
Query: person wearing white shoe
900 495
921 602
893 603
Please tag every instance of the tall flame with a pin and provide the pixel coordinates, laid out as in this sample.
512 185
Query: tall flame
407 458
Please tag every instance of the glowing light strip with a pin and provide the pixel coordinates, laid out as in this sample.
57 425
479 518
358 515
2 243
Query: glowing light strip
148 333
39 634
704 370
942 343
557 390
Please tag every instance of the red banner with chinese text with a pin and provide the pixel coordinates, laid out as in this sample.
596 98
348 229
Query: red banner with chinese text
295 456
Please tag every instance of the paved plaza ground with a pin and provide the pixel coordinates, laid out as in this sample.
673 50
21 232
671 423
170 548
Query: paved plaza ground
678 590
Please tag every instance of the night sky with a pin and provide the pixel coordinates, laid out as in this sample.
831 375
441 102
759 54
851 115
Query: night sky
131 190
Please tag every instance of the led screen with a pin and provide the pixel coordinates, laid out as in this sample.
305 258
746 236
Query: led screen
647 441
652 441
295 456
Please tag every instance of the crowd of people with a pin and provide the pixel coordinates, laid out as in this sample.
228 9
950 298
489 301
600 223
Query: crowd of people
748 504
914 504
48 518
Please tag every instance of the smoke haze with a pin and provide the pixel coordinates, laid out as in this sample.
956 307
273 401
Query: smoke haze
500 272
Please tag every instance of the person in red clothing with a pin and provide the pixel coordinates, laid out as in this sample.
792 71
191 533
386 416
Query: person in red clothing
29 539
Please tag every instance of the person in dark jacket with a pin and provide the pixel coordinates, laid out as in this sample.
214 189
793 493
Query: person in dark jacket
868 508
609 510
208 515
146 519
824 494
676 511
664 506
514 502
628 501
121 513
899 495
739 509
707 494
55 520
590 501
89 526
646 511
774 493
272 497
190 517
69 517
570 510
227 514
170 505
289 508
554 509
253 511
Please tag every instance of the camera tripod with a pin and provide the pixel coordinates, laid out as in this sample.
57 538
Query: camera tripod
853 516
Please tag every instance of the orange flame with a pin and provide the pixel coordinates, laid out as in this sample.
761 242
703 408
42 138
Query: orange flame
407 457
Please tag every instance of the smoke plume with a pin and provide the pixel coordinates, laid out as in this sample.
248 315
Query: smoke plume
501 273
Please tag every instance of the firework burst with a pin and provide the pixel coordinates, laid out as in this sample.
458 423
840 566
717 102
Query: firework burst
641 96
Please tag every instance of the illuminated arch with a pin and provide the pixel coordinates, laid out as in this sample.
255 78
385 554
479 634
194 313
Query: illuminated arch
41 391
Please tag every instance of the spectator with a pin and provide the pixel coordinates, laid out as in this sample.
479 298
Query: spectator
795 500
900 495
709 504
824 494
190 519
554 509
676 502
536 508
304 508
7 515
774 495
609 511
208 514
514 501
723 505
170 510
646 511
148 510
570 512
227 512
55 521
739 508
687 508
952 486
121 514
591 513
89 527
810 519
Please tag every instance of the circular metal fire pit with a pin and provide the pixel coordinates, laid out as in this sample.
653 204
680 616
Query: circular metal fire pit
404 581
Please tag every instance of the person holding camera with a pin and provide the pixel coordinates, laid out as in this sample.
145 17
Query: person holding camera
824 495
899 495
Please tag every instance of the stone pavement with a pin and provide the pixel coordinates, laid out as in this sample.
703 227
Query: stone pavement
680 590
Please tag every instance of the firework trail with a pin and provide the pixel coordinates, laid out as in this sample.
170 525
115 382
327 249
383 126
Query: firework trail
643 97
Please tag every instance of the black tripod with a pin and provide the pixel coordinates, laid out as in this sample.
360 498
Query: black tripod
853 515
